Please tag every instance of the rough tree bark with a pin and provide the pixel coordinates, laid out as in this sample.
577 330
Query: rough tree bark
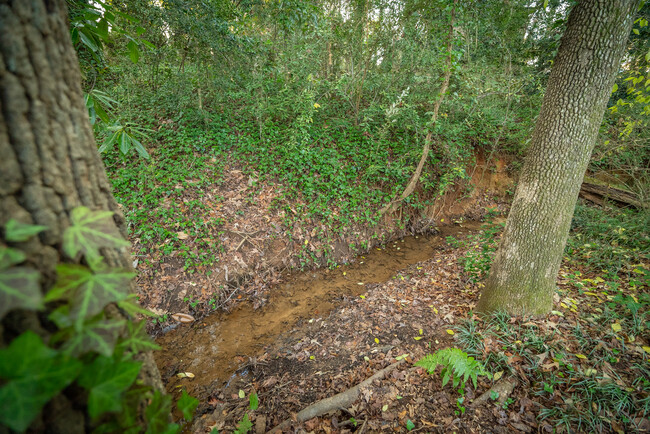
49 163
522 278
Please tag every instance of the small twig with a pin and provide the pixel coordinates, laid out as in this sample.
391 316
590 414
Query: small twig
242 242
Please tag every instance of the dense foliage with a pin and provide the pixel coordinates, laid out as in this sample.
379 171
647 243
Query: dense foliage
332 99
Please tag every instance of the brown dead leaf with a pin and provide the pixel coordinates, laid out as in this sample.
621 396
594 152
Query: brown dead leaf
183 318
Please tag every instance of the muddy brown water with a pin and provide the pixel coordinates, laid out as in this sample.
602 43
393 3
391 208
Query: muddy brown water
216 347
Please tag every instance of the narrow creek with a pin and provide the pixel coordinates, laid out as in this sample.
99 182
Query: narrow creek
216 347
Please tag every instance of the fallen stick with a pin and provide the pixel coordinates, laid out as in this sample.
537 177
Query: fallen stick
340 400
504 388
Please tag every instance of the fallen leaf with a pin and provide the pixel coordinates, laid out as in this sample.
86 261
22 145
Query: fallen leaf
182 235
581 356
450 331
242 394
183 318
616 327
185 375
384 408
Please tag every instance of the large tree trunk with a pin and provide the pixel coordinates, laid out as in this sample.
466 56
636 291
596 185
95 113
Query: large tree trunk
49 163
522 278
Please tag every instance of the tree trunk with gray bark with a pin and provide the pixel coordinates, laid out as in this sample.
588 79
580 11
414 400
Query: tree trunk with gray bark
523 275
49 164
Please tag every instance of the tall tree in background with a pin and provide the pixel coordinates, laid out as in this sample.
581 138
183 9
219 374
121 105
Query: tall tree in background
49 166
522 278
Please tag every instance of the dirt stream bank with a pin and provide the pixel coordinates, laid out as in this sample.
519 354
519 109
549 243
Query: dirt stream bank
322 333
256 247
305 336
214 348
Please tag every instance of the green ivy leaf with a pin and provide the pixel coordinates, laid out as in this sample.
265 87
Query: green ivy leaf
187 405
9 257
20 289
410 425
35 374
88 292
138 340
157 415
106 379
90 231
16 231
253 401
133 308
98 336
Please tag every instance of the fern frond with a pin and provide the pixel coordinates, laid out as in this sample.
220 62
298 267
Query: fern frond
456 365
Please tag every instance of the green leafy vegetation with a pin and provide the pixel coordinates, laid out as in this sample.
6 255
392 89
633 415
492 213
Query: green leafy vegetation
89 348
480 249
592 371
609 239
456 366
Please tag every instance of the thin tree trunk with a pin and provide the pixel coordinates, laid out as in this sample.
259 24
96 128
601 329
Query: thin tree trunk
410 187
522 278
49 161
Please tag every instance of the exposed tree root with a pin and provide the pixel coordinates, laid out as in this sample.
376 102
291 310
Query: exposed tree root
504 388
341 400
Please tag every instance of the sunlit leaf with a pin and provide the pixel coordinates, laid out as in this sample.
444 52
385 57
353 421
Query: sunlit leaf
34 374
616 327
